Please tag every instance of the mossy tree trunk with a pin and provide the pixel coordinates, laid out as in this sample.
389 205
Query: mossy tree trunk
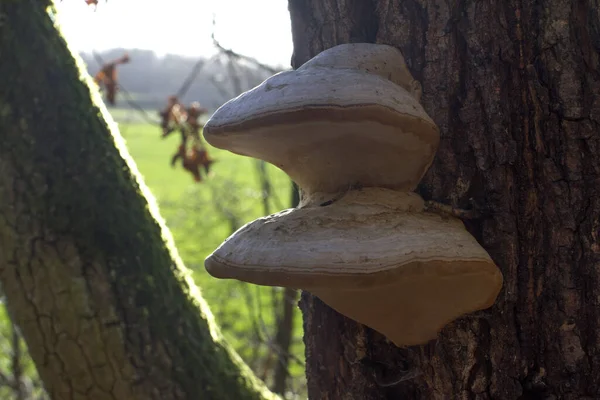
515 89
88 268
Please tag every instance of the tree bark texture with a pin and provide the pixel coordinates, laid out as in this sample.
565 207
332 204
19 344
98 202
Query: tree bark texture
86 263
515 88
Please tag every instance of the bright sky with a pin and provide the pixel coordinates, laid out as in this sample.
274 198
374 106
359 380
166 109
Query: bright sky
256 28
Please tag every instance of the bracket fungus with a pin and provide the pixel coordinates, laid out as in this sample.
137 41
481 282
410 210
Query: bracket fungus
348 128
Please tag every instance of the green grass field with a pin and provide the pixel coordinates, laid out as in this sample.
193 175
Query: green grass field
201 216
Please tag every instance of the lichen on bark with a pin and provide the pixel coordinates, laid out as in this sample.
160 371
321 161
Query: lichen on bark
87 264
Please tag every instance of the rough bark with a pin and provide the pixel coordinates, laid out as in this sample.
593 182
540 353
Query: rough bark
515 89
87 266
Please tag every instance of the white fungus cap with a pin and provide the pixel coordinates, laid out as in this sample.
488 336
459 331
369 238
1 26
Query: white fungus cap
374 256
350 116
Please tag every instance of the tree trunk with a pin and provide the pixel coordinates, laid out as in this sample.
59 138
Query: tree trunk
285 324
283 340
515 89
89 270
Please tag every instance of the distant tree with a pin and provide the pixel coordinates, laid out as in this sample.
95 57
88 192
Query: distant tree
87 266
515 89
167 74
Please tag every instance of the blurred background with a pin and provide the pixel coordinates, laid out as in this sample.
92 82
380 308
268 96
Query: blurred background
208 52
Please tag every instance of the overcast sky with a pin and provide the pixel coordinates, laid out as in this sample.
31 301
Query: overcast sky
257 28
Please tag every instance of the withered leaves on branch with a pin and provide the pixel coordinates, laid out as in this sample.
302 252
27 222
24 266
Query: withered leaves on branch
176 117
107 79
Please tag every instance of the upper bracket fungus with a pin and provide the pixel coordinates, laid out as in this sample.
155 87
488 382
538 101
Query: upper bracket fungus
348 128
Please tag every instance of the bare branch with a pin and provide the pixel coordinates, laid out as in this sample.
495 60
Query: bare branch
233 55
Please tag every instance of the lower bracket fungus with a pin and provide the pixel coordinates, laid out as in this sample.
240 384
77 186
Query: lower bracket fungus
361 239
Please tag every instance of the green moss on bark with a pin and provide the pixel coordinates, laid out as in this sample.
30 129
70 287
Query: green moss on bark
91 271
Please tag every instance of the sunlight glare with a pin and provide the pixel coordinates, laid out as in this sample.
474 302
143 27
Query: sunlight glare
259 29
